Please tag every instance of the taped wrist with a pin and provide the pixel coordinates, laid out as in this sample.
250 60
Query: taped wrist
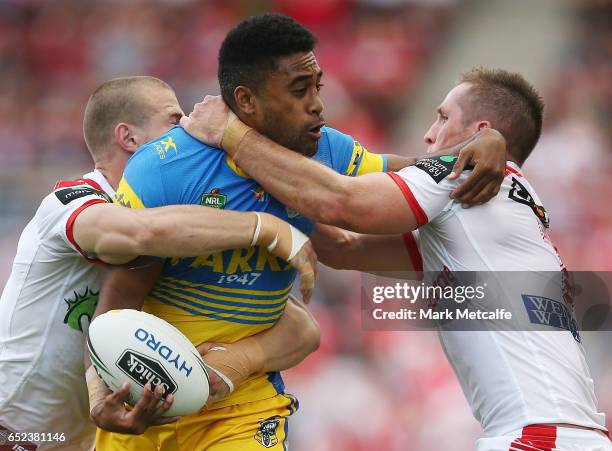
237 361
279 237
96 388
233 134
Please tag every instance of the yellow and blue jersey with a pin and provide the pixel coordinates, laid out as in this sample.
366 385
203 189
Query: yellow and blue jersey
225 296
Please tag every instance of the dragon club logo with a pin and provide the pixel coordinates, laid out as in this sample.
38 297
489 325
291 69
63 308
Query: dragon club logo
81 307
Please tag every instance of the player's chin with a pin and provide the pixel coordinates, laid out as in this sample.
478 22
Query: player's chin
309 147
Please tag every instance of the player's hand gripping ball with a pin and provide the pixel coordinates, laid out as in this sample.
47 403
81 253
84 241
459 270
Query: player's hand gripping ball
139 348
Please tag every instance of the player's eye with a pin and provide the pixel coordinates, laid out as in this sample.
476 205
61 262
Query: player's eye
300 92
319 86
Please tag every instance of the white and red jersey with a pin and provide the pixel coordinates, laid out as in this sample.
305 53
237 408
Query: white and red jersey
45 308
511 378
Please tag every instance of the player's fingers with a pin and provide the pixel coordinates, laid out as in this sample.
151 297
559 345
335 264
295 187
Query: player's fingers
163 408
490 190
305 262
306 296
467 186
462 161
158 393
469 198
118 396
307 281
185 122
148 412
487 193
141 407
205 347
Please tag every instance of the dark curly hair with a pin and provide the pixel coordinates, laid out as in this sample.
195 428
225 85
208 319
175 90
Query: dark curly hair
251 50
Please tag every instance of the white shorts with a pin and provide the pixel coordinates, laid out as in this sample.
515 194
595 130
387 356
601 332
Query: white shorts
547 438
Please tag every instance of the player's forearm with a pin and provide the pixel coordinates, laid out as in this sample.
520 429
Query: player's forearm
397 162
298 182
283 346
342 249
291 340
117 234
182 231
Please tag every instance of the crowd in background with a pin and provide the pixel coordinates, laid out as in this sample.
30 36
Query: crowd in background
361 390
572 163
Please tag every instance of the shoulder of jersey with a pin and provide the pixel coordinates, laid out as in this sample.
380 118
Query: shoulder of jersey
174 144
67 191
334 136
439 167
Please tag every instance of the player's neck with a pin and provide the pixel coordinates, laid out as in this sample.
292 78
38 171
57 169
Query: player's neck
248 120
112 170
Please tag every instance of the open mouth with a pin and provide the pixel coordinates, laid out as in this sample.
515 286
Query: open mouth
315 132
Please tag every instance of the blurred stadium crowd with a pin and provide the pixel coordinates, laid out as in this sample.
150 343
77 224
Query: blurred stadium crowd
361 390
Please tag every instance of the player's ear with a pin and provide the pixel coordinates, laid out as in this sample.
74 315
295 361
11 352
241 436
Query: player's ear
483 124
245 100
126 137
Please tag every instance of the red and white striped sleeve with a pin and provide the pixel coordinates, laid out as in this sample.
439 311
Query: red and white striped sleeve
425 188
60 209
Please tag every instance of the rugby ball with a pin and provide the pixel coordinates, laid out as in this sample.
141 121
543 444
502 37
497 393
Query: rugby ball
136 347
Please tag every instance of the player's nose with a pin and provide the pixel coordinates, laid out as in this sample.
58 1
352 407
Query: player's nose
429 137
316 107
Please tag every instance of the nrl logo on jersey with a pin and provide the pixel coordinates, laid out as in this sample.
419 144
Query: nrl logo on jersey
214 199
266 434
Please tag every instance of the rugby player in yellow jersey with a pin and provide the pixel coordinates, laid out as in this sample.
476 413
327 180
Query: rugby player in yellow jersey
121 115
270 77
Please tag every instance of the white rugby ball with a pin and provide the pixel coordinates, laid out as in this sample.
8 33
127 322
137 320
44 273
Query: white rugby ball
136 347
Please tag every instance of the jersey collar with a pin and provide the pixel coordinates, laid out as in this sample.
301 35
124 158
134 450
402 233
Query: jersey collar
97 176
512 167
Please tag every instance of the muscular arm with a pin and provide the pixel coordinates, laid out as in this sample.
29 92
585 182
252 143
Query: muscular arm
370 203
367 204
117 234
287 343
397 162
287 175
342 249
291 340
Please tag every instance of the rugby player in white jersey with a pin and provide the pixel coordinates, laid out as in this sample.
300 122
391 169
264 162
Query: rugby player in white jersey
53 288
530 390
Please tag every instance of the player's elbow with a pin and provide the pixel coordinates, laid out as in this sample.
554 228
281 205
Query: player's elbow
311 337
122 245
329 212
306 332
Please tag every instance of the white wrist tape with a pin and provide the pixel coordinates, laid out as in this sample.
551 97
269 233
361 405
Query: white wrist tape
222 376
257 230
298 239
